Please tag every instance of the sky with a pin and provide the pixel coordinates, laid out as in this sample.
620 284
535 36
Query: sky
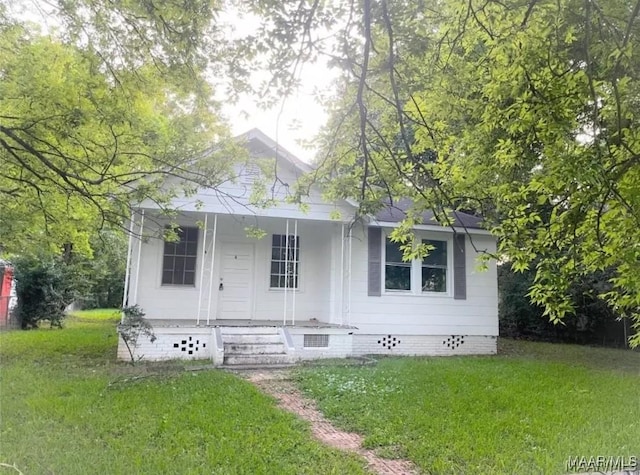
296 118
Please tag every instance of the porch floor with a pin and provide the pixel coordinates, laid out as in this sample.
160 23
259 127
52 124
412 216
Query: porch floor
168 323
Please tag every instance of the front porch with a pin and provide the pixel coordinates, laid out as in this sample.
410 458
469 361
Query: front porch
224 293
239 271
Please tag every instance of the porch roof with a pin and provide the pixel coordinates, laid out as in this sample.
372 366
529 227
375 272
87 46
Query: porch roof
176 323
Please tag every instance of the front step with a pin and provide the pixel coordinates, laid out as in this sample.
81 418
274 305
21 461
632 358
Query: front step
252 339
256 360
253 349
258 346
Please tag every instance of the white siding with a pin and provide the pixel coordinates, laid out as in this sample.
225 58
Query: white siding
234 196
430 314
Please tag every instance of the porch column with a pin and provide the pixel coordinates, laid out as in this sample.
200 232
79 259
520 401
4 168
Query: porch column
204 256
213 260
286 269
342 306
127 275
350 237
135 288
295 270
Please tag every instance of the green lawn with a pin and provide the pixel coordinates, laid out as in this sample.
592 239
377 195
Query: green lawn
525 411
67 407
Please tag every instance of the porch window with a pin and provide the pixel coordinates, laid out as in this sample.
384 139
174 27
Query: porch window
397 273
434 267
285 261
179 258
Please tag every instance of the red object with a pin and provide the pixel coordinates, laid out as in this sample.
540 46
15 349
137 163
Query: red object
6 279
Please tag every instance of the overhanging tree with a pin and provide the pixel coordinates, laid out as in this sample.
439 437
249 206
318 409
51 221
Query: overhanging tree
524 111
97 115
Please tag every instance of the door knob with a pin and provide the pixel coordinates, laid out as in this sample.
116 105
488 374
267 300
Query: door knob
221 286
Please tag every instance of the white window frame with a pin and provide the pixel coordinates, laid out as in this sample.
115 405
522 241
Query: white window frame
299 273
199 237
416 268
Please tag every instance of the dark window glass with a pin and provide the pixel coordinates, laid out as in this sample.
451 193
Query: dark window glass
434 267
179 258
285 261
397 273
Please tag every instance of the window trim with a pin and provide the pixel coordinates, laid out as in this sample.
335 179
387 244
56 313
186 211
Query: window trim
447 266
197 260
408 265
298 273
416 268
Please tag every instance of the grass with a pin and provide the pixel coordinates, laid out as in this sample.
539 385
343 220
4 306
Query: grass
67 406
526 410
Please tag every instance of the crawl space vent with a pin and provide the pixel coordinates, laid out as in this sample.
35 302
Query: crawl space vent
389 342
316 341
189 345
453 342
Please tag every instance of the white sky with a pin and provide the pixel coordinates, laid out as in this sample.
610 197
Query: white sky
294 119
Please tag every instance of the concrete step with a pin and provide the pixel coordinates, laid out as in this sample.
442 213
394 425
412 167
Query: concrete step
253 348
256 360
253 367
251 339
249 330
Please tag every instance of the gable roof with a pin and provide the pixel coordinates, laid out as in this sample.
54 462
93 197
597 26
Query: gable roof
261 144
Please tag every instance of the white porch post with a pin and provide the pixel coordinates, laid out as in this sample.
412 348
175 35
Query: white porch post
286 271
350 236
204 250
135 289
127 275
342 302
295 271
213 255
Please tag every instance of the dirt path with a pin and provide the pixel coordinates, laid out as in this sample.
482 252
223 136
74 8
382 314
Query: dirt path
277 384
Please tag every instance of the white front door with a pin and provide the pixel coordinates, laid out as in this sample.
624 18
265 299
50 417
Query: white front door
235 289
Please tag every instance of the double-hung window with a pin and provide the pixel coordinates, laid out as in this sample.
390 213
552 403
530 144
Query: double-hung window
397 273
428 275
434 267
285 261
179 258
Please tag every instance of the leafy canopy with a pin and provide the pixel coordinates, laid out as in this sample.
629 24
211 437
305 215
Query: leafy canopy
523 111
96 117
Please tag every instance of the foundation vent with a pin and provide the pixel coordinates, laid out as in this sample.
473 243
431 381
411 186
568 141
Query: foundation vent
189 345
316 341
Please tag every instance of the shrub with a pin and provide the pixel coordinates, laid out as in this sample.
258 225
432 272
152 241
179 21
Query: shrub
45 287
133 326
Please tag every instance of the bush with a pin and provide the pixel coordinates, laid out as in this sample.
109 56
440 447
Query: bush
45 287
133 326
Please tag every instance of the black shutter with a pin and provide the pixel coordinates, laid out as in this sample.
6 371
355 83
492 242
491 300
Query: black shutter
375 261
459 268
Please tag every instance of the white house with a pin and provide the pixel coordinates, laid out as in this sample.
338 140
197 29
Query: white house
313 286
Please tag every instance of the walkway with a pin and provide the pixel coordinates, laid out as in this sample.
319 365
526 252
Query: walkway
277 384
